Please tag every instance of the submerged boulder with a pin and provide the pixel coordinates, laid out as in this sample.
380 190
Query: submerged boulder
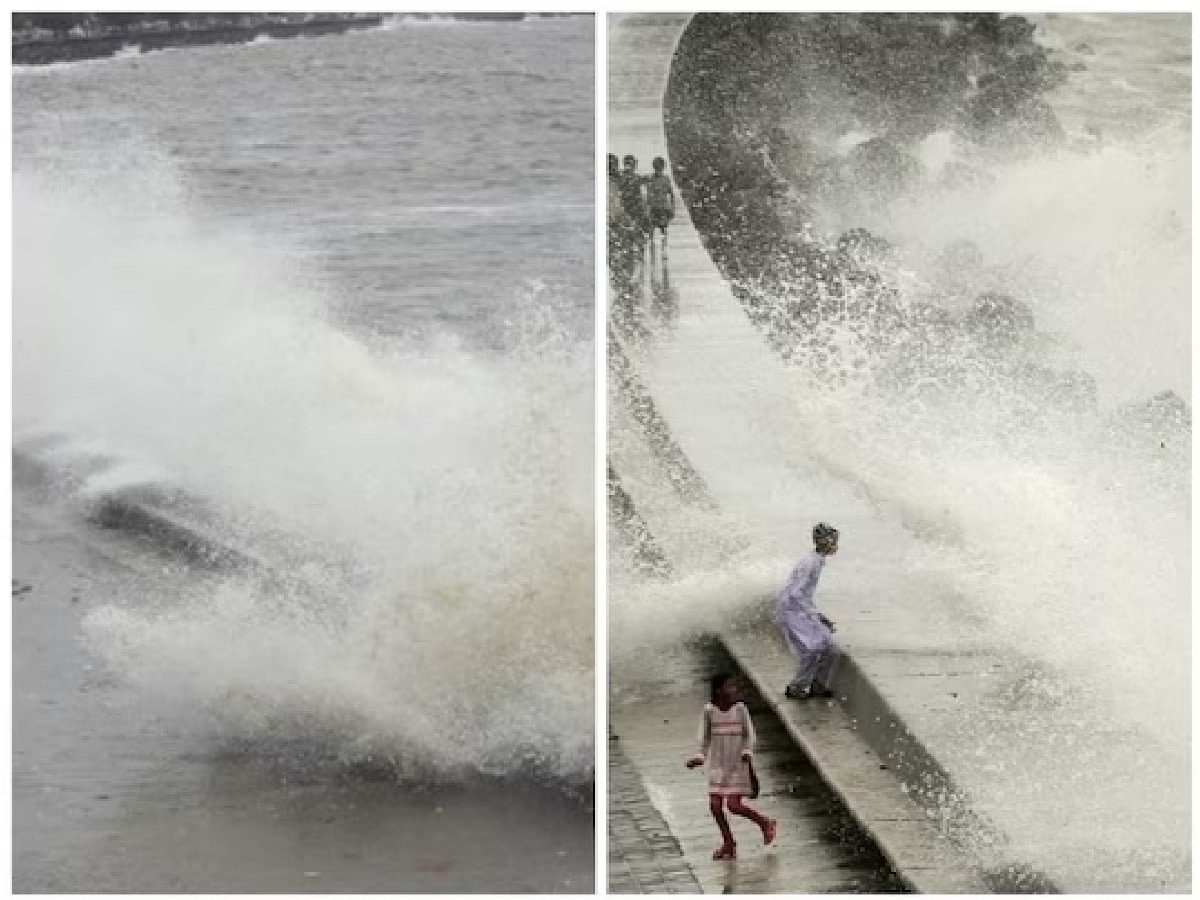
1036 121
878 166
999 320
1078 390
1165 411
860 240
1161 424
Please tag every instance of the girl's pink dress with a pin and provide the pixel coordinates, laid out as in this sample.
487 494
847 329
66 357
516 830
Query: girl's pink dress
724 736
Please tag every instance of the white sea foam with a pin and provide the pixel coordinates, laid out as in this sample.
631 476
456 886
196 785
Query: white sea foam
454 490
409 20
1098 243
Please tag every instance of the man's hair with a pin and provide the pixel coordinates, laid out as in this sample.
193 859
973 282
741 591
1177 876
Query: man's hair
823 533
659 164
630 158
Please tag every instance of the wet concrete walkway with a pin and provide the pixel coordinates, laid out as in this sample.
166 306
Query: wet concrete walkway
643 855
819 848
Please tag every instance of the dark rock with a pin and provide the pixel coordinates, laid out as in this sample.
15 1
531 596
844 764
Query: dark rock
1164 410
860 240
999 319
735 78
879 166
1036 118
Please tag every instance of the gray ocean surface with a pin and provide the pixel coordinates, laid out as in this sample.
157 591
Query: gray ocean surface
429 172
340 289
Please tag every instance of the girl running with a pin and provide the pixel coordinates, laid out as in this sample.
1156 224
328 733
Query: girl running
726 744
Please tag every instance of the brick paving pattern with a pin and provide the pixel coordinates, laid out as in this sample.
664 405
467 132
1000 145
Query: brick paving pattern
643 855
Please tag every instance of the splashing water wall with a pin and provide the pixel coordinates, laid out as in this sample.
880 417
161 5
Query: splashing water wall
436 499
1060 527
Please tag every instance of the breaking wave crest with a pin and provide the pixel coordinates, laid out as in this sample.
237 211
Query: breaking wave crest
433 505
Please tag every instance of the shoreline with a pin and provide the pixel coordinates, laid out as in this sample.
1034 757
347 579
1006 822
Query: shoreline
78 48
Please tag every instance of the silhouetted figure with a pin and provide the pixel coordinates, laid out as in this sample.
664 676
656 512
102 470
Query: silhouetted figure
660 204
633 199
660 199
618 258
614 190
632 233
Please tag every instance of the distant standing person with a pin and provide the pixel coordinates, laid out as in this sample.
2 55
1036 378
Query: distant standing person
615 205
727 745
808 633
632 198
660 199
633 201
618 256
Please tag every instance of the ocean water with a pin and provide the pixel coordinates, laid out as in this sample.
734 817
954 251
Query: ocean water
1064 534
340 288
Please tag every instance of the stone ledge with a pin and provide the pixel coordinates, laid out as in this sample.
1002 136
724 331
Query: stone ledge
919 849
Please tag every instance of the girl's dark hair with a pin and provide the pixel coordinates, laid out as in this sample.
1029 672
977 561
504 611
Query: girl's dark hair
715 683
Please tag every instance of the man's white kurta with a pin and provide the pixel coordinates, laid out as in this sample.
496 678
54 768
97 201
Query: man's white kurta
795 610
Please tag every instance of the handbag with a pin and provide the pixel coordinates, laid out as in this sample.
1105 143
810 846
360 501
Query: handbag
750 762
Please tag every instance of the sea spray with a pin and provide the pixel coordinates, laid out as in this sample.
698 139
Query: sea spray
444 494
979 482
994 455
1097 242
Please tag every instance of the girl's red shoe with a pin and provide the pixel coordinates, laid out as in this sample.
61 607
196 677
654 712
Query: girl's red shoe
725 851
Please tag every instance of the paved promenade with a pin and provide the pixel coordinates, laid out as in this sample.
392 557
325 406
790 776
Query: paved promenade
660 826
643 855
